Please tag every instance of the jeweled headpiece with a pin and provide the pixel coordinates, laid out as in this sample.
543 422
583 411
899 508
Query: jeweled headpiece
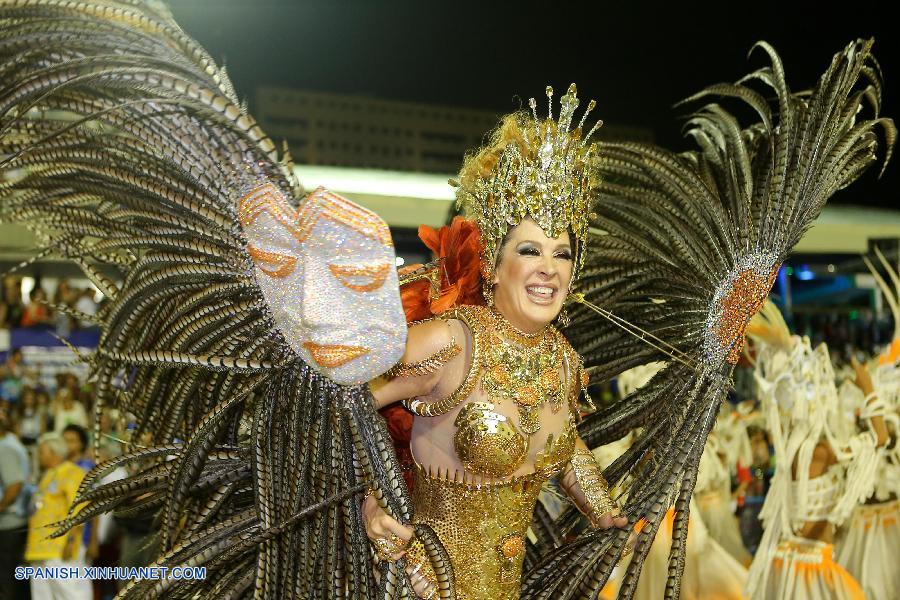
548 176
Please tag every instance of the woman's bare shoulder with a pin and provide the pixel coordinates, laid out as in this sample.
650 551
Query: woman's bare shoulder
427 338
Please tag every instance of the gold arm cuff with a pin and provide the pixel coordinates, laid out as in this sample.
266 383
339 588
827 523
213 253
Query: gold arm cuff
428 365
594 488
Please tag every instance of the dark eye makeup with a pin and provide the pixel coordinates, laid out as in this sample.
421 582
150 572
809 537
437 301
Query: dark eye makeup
529 250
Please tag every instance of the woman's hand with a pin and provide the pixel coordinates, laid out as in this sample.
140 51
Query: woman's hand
387 533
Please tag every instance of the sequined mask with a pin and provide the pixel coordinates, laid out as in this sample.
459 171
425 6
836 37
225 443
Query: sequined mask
327 271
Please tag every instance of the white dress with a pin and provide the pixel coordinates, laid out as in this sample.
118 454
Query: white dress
805 569
869 548
800 401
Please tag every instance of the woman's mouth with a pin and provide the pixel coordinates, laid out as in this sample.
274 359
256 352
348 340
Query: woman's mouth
540 294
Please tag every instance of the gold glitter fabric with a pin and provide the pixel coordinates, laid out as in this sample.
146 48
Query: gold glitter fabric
327 272
427 366
523 368
479 517
482 523
551 181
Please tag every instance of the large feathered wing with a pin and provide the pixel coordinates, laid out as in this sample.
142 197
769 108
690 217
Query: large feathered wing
685 249
124 149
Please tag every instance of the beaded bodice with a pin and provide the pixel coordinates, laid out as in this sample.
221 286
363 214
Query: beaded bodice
815 499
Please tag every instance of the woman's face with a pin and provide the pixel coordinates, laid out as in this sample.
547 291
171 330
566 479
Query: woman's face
73 443
760 449
64 395
532 276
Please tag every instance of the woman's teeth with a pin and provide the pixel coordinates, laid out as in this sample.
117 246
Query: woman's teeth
540 291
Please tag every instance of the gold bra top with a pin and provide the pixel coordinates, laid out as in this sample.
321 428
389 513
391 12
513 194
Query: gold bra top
488 443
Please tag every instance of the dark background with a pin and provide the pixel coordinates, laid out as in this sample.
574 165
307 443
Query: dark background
637 59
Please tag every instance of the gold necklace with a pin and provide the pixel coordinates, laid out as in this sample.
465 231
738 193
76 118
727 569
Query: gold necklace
499 324
524 368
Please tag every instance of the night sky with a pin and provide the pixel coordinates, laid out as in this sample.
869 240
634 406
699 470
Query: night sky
636 60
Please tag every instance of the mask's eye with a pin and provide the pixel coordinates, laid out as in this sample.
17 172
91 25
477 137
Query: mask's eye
273 264
361 278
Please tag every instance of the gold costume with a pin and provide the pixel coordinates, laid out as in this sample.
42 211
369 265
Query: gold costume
480 519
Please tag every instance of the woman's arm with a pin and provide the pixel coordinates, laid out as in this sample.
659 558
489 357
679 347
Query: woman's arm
874 408
430 346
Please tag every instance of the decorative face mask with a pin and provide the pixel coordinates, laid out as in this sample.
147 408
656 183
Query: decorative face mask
328 273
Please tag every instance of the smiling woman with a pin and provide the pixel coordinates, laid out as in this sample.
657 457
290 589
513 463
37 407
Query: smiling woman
494 389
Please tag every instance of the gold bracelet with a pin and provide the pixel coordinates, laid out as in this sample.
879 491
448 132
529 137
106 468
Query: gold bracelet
415 555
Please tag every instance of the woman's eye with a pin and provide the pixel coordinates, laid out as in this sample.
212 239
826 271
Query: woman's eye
529 252
564 255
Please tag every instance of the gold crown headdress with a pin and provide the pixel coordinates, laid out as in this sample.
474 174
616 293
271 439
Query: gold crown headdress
548 176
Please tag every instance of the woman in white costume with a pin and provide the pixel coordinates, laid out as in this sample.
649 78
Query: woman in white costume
869 545
820 475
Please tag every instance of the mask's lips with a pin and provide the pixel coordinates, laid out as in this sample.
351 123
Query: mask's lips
332 356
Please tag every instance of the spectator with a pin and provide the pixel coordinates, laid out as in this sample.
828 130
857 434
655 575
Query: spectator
76 438
13 499
64 297
12 295
67 410
32 417
37 313
70 381
11 372
53 499
86 305
77 443
13 366
46 408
